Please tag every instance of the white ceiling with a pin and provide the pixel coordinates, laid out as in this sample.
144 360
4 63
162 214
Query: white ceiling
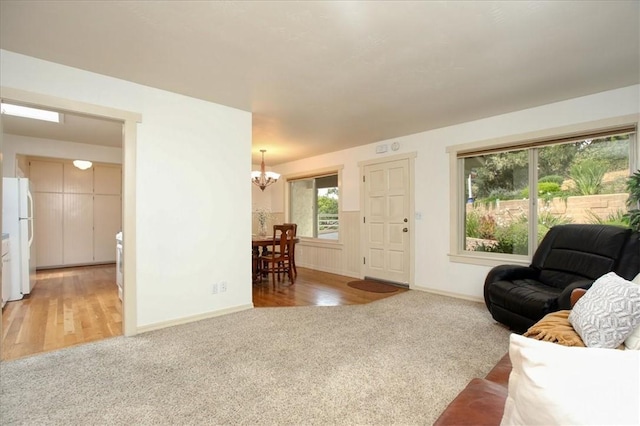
322 76
73 128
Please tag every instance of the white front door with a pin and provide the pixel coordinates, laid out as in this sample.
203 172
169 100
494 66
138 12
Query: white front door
386 221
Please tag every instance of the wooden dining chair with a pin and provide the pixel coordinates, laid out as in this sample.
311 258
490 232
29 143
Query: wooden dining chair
276 232
278 261
293 253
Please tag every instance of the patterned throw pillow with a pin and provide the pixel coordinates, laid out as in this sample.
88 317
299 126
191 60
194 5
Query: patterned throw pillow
608 313
633 341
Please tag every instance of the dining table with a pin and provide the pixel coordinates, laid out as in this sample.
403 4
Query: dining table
259 246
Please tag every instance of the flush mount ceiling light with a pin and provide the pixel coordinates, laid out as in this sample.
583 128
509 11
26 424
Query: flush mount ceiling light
82 164
263 178
28 112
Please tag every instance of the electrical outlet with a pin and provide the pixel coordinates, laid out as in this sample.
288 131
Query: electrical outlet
223 286
214 288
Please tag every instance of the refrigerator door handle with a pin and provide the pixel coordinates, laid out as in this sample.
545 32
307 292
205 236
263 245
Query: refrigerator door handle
30 219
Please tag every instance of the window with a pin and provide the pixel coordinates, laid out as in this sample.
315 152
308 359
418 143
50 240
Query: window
512 196
28 112
313 205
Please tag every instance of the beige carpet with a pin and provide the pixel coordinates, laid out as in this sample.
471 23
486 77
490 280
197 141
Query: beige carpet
396 361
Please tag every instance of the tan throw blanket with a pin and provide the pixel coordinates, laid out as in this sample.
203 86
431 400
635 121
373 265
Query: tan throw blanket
555 327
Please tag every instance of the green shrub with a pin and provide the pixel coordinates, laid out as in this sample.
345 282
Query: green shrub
545 189
548 220
588 175
552 178
513 238
480 226
472 224
633 202
548 187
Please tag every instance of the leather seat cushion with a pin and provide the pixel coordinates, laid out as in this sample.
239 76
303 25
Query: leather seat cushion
480 403
501 371
529 298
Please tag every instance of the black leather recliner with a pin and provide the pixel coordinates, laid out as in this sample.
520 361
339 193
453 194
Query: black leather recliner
569 257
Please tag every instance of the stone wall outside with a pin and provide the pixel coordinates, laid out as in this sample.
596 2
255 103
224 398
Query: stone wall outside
575 208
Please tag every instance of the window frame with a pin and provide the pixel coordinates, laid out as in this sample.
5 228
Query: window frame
514 142
326 171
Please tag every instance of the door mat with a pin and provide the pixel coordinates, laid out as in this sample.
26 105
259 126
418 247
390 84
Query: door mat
372 286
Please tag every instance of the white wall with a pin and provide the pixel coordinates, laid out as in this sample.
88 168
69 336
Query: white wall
193 192
433 270
14 144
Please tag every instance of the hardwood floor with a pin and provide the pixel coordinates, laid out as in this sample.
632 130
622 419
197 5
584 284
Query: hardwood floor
313 288
71 306
66 307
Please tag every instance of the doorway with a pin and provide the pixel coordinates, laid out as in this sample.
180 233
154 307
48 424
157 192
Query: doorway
77 214
129 122
387 222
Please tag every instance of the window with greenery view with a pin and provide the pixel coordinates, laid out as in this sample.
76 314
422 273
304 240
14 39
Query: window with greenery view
576 181
313 205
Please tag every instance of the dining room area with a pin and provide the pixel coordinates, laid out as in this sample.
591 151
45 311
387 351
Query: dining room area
278 239
279 282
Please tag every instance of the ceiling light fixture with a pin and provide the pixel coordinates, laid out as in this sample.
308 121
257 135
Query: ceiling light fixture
28 112
263 178
82 164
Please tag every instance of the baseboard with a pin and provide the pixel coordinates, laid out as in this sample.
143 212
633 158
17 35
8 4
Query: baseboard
193 318
448 293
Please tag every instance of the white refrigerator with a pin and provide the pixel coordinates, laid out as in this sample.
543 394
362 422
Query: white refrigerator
17 221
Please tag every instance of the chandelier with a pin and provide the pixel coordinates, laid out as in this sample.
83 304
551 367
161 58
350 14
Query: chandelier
263 178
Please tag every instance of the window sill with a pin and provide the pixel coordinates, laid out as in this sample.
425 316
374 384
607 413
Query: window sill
484 260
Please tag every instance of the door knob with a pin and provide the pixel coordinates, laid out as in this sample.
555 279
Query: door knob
406 220
405 230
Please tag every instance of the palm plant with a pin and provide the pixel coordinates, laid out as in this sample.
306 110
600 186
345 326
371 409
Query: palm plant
588 176
633 202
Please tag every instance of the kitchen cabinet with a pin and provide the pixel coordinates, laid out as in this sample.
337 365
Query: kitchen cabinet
78 212
47 176
48 214
77 229
76 181
107 180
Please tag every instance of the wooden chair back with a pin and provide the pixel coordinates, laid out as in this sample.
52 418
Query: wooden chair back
283 239
295 228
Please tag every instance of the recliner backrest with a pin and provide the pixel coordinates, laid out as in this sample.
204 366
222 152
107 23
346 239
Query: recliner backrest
629 264
579 252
